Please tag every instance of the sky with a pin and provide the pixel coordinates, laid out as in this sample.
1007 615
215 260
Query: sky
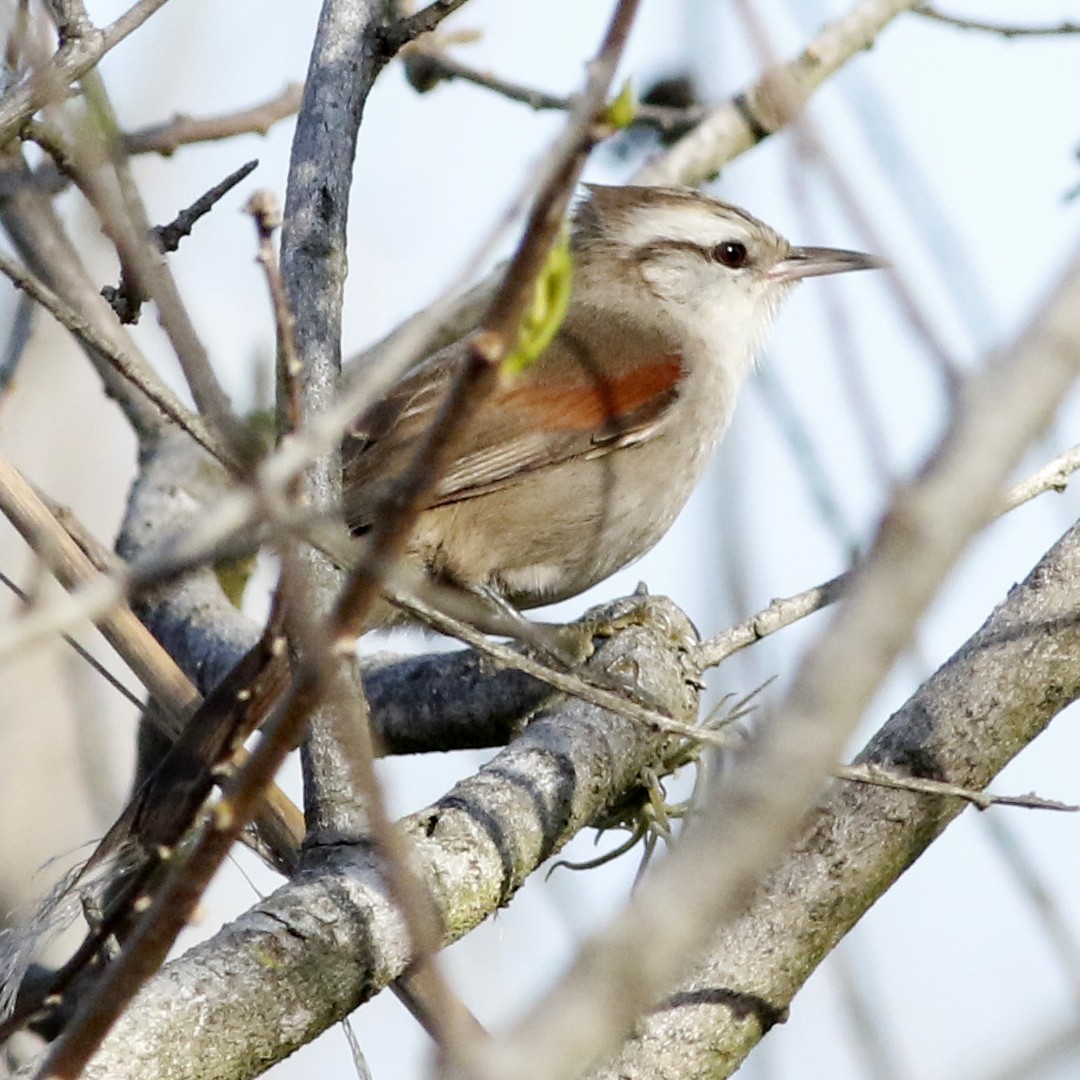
960 148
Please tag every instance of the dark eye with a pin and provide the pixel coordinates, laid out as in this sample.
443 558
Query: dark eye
730 253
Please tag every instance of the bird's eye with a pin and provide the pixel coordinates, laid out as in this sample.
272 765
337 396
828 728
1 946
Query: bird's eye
731 254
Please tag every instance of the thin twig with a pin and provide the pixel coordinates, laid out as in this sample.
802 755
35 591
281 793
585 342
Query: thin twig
128 367
840 333
1006 31
169 236
126 299
1053 476
181 130
19 333
123 216
875 774
776 616
265 212
619 703
426 68
50 137
401 31
42 242
72 61
85 655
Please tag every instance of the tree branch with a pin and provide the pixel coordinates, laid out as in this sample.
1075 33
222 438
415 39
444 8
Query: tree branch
401 31
962 726
167 138
767 106
75 57
334 934
1004 30
345 61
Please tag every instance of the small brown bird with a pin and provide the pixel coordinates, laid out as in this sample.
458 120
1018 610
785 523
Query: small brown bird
562 475
578 466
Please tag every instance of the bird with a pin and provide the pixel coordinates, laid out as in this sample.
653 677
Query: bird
578 465
565 473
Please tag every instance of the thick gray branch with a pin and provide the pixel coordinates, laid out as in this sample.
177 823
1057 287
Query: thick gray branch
345 60
329 940
997 693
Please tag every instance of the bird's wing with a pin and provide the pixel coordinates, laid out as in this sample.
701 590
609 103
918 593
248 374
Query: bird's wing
549 414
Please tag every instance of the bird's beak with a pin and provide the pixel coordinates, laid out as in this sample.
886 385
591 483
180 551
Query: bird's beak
804 262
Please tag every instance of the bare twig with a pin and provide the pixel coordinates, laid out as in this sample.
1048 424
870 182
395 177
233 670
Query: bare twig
875 774
738 124
87 656
125 299
1006 31
50 137
426 68
266 213
614 701
128 367
405 29
1053 476
169 236
776 616
167 138
19 333
42 242
123 216
72 61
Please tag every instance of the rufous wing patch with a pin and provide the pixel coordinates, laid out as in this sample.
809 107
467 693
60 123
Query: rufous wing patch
601 403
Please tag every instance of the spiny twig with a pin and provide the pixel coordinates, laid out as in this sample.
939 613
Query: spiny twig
126 299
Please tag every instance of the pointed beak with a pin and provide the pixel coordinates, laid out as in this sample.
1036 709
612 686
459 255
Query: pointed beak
804 262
